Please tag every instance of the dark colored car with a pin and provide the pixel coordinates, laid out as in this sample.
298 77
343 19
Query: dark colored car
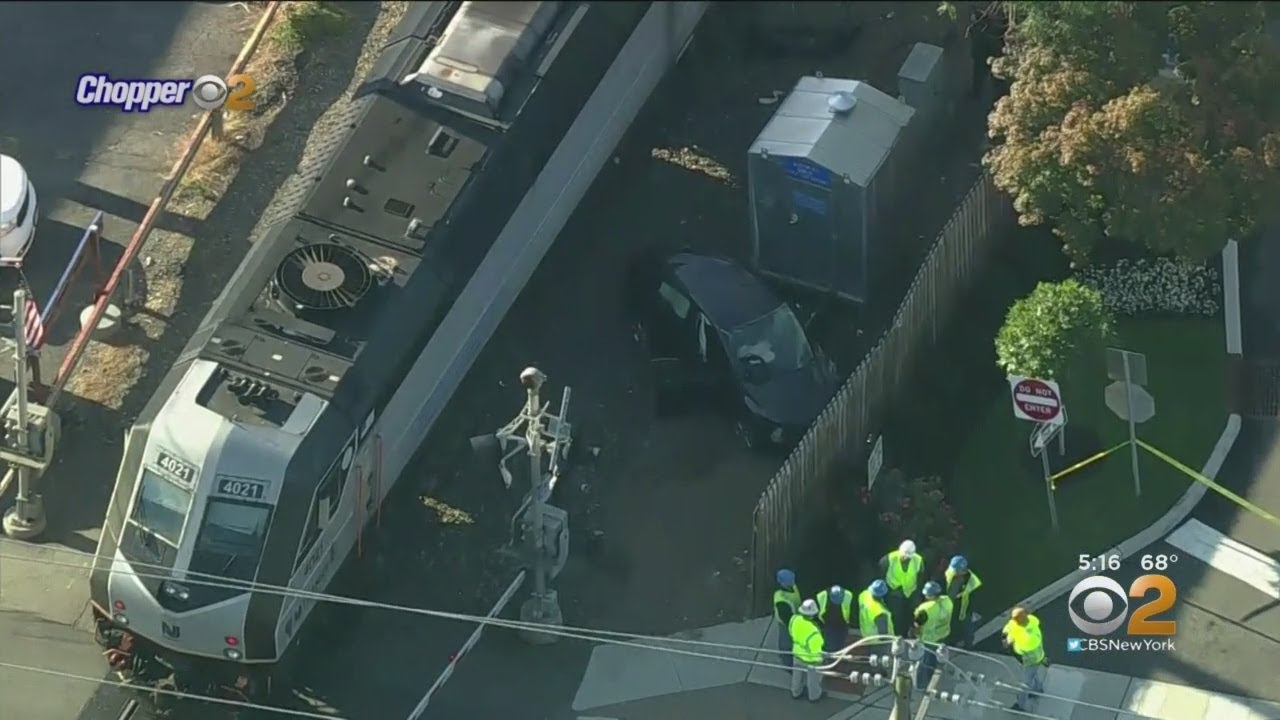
717 332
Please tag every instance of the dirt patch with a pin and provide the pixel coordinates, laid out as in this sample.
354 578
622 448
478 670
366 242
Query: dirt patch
296 27
695 160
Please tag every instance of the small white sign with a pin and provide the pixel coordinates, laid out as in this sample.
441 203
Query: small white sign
1035 400
875 462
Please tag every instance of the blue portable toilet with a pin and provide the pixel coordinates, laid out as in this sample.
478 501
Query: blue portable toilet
822 176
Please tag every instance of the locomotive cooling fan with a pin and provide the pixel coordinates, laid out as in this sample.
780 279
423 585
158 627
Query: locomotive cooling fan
323 276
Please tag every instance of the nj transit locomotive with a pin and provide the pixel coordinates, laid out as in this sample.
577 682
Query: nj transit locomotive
297 403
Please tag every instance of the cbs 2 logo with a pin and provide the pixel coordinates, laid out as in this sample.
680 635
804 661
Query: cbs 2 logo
210 92
1096 605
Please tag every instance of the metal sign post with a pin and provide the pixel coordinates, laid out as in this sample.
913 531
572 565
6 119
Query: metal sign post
1041 435
1129 400
875 462
26 520
1133 426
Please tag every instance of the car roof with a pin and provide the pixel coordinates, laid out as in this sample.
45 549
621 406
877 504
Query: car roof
729 294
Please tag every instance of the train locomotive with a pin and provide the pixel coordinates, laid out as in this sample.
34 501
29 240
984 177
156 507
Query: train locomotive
280 429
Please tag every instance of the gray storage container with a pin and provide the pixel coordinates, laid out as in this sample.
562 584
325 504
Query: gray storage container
821 176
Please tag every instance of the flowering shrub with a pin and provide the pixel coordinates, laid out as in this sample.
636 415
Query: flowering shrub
917 510
1136 287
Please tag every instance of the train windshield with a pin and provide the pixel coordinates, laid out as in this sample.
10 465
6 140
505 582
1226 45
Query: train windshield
161 508
230 540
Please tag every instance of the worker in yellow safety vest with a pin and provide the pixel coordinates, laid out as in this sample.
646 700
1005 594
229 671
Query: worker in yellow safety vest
806 645
1022 635
786 601
835 611
961 582
873 617
902 570
932 627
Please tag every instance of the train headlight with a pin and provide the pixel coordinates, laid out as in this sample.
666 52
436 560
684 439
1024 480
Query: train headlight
120 619
232 654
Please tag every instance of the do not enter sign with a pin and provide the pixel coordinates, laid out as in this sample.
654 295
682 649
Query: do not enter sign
1036 400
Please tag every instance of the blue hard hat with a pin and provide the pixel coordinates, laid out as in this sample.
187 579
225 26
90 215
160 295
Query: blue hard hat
786 578
879 589
959 563
837 593
932 589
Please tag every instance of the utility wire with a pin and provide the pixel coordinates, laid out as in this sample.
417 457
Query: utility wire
566 631
648 642
171 693
211 580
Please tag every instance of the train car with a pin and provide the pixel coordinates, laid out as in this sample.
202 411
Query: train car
260 458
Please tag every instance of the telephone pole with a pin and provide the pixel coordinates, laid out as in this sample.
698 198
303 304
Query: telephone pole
902 680
26 520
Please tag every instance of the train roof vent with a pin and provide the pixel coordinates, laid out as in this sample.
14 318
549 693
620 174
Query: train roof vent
323 276
485 55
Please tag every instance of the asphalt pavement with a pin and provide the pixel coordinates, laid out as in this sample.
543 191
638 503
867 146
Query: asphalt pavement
1227 637
82 160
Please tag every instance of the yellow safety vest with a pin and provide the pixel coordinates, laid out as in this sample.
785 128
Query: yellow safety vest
1028 641
973 583
846 606
938 623
904 580
790 597
806 639
870 609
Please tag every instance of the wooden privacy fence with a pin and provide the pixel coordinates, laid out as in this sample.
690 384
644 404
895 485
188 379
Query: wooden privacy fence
958 255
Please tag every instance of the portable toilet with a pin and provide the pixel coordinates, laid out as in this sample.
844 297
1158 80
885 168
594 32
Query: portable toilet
821 175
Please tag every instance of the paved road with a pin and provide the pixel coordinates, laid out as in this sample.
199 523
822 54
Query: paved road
82 160
1227 638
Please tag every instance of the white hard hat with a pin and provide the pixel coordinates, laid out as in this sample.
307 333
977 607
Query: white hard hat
907 548
809 608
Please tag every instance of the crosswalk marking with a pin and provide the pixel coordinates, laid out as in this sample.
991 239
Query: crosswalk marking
1229 556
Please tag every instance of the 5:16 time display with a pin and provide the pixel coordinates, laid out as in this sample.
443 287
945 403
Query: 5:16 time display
1107 562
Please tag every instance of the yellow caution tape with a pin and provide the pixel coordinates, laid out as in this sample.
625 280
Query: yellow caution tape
1212 485
1054 478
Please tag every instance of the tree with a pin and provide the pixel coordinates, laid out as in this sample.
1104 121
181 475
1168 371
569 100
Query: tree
1051 331
1152 122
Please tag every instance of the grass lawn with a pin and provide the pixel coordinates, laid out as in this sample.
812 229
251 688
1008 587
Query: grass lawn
999 491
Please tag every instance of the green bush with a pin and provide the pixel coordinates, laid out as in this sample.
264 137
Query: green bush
1048 331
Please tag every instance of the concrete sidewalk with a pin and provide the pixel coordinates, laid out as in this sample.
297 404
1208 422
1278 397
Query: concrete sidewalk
626 682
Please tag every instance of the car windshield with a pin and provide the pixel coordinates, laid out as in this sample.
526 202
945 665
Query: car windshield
161 508
230 539
776 341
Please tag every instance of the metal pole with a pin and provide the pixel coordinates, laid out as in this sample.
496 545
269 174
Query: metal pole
1133 428
543 606
1048 486
533 435
26 520
901 684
